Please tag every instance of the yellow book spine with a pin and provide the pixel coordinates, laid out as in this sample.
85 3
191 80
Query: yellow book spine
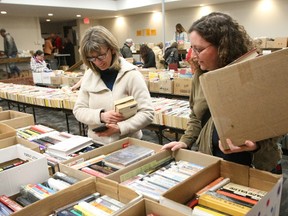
222 205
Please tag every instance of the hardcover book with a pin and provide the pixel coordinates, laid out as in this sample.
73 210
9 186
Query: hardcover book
127 156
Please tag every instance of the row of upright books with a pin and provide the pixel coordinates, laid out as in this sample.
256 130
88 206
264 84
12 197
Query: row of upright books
41 96
169 112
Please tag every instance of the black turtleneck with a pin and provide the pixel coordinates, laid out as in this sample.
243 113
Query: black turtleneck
109 76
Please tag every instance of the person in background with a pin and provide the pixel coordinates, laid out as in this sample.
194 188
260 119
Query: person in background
147 56
217 40
10 50
171 55
68 48
48 47
158 51
37 63
180 36
126 49
110 77
190 60
57 43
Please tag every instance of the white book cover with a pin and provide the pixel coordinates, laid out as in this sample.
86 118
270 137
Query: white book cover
70 145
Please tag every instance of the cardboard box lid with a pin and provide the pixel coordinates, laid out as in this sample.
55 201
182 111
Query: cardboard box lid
248 100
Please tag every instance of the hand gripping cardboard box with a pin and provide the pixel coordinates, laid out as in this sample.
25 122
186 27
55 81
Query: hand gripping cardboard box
178 196
33 171
79 191
145 207
248 100
16 119
147 164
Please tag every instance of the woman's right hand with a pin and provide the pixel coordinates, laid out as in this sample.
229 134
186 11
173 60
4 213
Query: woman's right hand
111 117
173 146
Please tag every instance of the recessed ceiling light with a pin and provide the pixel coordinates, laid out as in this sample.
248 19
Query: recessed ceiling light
78 15
50 14
3 12
48 20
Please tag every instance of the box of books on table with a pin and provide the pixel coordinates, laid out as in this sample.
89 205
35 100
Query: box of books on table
227 188
10 141
16 119
157 174
20 165
87 197
32 197
111 158
6 131
146 207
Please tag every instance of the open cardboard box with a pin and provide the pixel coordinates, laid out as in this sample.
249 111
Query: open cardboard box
10 141
34 171
248 100
179 195
145 207
6 131
16 119
107 149
78 191
144 165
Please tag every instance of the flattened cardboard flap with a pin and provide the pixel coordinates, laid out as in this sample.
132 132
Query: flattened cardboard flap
248 100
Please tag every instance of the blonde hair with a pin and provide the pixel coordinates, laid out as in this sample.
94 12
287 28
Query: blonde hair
94 38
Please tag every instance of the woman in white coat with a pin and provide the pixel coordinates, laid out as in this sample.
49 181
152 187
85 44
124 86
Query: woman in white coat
108 78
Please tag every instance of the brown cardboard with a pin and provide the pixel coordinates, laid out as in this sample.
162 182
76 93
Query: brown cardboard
182 193
280 42
182 86
16 119
76 192
18 140
70 81
186 155
248 100
145 207
162 86
57 80
6 131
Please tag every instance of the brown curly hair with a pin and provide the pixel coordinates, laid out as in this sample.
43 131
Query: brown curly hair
226 34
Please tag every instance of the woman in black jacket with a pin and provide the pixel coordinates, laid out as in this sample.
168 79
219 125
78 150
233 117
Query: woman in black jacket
148 56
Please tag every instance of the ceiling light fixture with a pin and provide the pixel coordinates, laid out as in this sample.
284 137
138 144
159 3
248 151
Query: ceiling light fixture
50 14
78 15
3 12
48 20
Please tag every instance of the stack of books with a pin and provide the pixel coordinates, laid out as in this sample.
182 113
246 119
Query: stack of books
158 180
30 193
222 197
95 204
103 165
126 106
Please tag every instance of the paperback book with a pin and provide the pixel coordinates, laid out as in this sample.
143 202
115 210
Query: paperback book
126 106
126 156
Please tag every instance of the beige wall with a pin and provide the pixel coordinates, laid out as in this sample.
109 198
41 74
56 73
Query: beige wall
25 31
257 22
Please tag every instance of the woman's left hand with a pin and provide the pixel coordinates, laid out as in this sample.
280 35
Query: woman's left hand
112 129
247 146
